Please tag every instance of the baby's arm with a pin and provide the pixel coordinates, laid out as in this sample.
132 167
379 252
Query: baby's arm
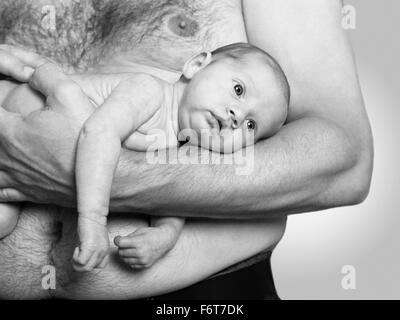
131 103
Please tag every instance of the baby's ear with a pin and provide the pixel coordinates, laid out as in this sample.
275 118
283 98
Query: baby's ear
196 63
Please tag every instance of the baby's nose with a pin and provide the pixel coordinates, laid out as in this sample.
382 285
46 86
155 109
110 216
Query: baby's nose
237 117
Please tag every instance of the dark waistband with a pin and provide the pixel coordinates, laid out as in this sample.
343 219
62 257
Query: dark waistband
265 255
253 282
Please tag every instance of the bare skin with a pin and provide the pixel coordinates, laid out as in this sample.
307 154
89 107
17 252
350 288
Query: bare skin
221 96
321 159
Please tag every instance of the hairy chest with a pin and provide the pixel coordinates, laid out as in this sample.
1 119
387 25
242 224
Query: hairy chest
84 33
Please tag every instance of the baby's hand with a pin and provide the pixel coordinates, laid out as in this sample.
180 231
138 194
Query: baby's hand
142 248
94 245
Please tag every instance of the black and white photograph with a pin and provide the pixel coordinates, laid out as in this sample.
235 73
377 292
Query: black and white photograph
212 151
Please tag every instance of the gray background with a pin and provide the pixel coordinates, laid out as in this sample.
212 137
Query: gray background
307 264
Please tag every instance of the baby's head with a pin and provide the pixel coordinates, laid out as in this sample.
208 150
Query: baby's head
233 97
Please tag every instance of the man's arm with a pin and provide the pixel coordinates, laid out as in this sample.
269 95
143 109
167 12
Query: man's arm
322 158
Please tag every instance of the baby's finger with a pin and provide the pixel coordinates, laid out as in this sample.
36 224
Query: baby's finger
76 254
93 262
103 263
83 256
78 267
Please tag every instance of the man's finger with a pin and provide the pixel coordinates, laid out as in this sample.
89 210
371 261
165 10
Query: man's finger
13 67
3 179
29 58
12 195
47 77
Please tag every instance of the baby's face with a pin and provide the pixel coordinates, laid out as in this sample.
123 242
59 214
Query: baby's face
232 104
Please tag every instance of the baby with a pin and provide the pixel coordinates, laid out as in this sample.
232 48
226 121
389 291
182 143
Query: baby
228 99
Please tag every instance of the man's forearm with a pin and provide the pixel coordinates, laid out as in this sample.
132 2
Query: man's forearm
309 165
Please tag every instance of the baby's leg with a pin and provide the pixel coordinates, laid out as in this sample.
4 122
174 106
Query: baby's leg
142 248
8 218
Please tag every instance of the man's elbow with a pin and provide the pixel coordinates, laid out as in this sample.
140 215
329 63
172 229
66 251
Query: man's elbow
357 181
362 182
352 160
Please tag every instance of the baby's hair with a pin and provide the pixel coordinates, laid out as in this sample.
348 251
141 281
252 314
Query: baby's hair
241 50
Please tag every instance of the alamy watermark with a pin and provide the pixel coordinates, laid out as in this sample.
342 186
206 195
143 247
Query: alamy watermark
349 17
49 277
49 17
349 279
158 151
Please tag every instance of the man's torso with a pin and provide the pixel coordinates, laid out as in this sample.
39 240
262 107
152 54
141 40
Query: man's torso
81 34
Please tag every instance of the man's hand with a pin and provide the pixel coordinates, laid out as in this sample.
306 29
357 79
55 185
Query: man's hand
37 155
17 63
37 152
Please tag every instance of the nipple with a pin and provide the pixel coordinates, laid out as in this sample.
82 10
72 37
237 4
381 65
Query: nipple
183 26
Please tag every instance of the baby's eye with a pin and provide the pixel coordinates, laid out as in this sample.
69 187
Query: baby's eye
238 89
251 125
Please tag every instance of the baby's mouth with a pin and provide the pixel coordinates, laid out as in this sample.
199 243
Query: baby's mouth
219 124
214 122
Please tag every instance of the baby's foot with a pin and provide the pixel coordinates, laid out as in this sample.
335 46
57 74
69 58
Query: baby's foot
9 214
142 248
94 245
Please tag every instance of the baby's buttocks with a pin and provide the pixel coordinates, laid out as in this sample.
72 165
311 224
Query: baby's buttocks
20 98
6 87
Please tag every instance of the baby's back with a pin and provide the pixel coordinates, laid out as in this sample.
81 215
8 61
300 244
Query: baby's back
156 133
